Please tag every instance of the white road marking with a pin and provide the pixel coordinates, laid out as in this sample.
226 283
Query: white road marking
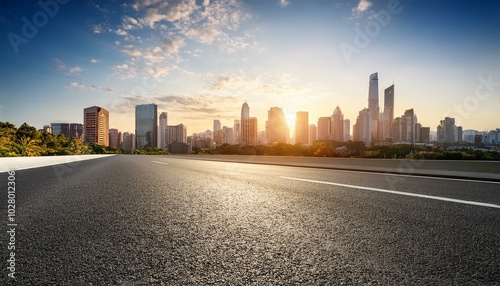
398 193
159 162
418 176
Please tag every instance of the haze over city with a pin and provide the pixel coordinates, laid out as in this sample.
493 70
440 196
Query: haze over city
200 60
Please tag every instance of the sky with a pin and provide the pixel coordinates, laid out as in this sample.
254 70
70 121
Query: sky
200 60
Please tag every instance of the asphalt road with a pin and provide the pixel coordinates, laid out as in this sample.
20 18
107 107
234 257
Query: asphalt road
155 220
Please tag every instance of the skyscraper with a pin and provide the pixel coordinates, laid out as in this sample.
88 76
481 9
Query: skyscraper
96 125
373 104
373 96
337 125
176 134
362 130
128 142
324 128
446 134
249 135
237 131
388 112
276 126
248 127
245 111
302 127
115 138
162 142
347 130
312 134
217 125
146 125
408 121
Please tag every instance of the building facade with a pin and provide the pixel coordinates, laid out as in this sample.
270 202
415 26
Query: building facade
302 127
146 125
276 126
96 125
162 132
337 125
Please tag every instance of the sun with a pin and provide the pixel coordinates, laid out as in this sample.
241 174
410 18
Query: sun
290 119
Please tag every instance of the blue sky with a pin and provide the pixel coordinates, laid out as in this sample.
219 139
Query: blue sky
199 60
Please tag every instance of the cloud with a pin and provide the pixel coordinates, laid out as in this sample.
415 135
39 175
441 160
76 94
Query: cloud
97 29
74 70
74 84
173 25
129 23
284 3
103 89
95 61
207 104
121 32
61 66
362 7
173 45
223 82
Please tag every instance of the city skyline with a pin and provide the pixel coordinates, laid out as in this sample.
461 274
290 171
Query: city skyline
297 55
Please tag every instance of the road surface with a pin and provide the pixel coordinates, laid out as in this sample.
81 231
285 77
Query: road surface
157 220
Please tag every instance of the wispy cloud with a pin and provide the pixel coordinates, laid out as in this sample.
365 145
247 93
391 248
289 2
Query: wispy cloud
272 84
95 61
76 85
202 104
61 66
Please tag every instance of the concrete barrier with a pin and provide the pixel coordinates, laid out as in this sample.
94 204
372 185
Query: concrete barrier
482 170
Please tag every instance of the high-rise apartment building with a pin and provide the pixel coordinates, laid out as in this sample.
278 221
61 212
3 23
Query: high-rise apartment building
337 125
408 122
347 130
96 125
425 133
146 125
162 142
446 133
313 133
115 138
228 135
324 128
302 127
249 134
128 143
362 130
237 131
276 126
176 134
217 125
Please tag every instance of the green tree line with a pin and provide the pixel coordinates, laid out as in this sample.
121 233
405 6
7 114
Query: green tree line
28 141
